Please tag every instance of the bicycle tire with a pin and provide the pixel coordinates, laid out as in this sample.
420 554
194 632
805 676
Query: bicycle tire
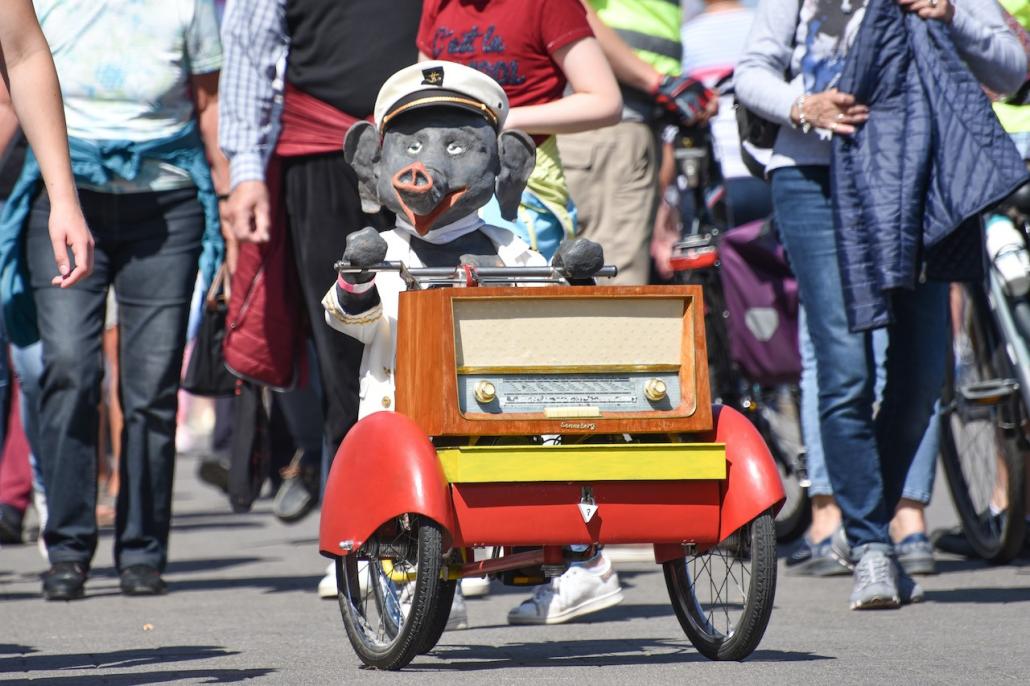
980 439
697 612
384 634
438 623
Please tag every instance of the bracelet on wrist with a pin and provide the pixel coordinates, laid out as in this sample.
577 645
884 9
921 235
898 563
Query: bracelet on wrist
354 288
803 122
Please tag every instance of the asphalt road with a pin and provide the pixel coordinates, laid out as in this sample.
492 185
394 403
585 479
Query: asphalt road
242 608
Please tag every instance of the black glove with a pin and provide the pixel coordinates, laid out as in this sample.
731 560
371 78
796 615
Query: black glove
365 248
578 259
685 97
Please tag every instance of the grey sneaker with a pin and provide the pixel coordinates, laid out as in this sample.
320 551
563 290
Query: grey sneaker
909 590
915 554
876 582
828 557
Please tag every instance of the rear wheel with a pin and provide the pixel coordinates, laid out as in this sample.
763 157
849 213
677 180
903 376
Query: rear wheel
723 597
982 438
394 617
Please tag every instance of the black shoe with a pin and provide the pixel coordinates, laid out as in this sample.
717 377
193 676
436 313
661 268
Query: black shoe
64 581
214 471
953 541
298 493
10 524
142 580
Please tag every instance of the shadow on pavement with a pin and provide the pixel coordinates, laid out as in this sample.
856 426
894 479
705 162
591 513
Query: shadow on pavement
137 657
1012 594
588 653
191 566
200 676
15 649
270 584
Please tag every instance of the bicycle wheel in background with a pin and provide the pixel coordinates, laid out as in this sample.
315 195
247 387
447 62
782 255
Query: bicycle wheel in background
982 438
779 421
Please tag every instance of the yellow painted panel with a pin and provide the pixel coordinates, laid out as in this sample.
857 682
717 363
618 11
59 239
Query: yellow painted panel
617 462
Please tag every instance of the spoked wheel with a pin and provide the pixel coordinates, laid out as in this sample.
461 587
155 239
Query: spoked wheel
724 596
982 440
391 621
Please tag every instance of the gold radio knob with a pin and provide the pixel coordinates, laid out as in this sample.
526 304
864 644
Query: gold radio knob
485 392
655 390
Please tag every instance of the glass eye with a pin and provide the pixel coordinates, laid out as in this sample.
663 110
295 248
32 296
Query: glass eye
414 148
455 149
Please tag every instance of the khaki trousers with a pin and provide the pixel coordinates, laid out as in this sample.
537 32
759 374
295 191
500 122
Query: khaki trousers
613 178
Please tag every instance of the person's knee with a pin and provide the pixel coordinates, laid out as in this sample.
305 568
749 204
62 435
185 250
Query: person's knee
67 368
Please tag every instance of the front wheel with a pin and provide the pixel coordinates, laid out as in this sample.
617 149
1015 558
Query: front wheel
391 613
724 596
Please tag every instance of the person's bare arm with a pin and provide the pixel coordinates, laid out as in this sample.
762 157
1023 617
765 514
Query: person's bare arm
205 97
595 101
629 69
8 119
28 72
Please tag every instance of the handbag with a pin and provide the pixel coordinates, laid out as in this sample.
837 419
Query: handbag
250 455
757 138
206 374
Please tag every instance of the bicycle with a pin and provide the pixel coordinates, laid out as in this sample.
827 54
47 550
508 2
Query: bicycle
984 405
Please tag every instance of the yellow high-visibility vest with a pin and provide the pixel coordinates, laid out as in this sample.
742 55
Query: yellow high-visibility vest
650 27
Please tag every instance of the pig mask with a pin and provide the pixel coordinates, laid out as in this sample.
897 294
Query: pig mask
436 165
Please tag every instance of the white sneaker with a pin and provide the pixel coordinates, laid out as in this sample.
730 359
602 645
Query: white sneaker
459 618
474 586
327 588
579 591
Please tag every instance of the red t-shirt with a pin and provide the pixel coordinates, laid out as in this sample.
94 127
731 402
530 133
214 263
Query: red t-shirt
509 40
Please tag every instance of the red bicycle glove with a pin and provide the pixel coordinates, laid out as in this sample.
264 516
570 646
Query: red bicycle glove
685 97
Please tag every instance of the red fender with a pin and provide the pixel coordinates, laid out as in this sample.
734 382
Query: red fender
752 483
386 466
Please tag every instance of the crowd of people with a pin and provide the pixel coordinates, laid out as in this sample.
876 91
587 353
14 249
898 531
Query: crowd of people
207 145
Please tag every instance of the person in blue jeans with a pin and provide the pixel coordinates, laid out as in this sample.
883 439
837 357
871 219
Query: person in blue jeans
823 550
143 142
796 55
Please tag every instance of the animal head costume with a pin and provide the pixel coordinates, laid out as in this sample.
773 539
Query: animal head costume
435 154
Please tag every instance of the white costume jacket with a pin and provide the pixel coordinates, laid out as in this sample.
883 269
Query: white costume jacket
377 327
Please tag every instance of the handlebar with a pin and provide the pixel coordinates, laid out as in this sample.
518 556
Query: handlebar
420 277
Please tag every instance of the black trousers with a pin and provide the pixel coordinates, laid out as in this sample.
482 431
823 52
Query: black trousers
323 208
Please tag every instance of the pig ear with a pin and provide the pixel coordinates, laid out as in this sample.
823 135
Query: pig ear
518 157
361 150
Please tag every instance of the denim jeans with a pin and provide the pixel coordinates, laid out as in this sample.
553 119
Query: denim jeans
918 483
871 455
28 367
147 247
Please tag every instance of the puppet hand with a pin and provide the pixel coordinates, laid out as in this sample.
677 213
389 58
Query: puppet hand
578 258
365 248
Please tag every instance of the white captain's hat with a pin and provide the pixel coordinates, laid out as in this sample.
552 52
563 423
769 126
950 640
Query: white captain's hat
438 83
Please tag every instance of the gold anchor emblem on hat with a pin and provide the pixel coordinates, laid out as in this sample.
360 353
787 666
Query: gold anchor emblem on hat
432 76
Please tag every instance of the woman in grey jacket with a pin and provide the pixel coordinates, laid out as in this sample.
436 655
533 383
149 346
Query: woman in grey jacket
796 55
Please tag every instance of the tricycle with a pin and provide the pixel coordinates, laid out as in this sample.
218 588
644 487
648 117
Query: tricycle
540 424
